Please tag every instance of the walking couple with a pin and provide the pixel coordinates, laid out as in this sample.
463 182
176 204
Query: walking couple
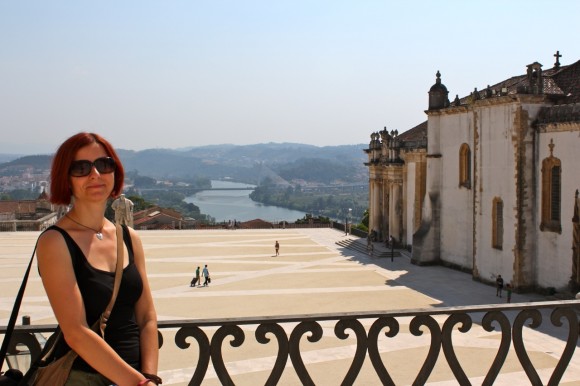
197 278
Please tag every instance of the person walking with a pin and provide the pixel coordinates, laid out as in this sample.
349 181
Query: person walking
77 260
196 278
277 248
499 285
205 274
508 289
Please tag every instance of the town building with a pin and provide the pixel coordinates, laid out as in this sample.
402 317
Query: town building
489 183
157 217
27 215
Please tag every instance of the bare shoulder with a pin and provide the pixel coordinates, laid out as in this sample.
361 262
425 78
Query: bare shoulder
51 247
50 239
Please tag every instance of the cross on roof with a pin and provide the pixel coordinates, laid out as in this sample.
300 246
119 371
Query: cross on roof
557 56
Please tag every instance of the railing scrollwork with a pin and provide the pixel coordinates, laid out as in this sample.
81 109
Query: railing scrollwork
293 334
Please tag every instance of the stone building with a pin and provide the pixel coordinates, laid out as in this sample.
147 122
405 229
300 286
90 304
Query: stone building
27 215
489 183
158 217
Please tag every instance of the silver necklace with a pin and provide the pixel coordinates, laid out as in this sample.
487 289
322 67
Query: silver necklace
98 232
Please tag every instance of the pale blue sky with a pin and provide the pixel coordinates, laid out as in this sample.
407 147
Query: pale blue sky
179 73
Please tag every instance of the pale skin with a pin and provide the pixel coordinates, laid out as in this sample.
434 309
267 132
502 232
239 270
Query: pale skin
54 261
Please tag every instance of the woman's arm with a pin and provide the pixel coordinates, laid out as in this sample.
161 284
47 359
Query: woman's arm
145 313
58 278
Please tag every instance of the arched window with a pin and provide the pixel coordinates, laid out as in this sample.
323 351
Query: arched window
497 223
465 166
551 193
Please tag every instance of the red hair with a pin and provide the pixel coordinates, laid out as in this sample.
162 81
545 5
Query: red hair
60 191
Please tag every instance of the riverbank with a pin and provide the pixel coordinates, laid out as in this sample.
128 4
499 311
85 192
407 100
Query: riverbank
230 205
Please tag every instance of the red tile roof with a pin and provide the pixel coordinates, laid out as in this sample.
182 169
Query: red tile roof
18 206
561 82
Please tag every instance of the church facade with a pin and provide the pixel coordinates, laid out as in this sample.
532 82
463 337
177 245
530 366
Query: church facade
489 183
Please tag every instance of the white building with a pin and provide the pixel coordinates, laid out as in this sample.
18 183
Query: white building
489 183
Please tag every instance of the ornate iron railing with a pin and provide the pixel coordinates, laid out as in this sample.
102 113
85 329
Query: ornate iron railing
440 323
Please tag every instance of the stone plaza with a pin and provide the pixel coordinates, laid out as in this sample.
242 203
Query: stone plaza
312 275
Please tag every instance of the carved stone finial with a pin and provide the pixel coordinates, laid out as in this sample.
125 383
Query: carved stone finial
488 92
557 56
438 94
551 146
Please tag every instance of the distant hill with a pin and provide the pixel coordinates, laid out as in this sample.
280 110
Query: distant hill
19 165
248 163
9 157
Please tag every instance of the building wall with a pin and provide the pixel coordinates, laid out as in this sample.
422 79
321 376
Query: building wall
554 250
427 238
496 178
456 128
506 128
506 164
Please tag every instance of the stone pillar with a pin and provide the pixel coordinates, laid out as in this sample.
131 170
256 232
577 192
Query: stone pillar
377 205
395 219
372 206
386 211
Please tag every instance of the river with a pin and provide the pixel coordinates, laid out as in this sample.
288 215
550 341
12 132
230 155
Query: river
226 205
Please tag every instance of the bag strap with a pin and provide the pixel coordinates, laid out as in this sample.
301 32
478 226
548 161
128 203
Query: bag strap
118 276
16 308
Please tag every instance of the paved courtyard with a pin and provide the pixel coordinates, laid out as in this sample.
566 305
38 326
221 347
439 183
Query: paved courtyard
312 275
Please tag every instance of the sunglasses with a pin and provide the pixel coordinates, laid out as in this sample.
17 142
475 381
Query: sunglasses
82 168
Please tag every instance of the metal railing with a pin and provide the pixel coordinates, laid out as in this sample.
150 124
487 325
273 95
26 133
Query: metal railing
556 318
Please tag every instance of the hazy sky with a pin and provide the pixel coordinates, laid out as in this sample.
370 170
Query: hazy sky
177 73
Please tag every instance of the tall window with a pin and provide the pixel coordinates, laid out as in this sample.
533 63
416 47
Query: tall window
555 194
465 166
497 224
551 193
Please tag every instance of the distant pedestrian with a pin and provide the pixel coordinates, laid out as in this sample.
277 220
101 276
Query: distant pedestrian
205 274
370 246
277 248
508 290
499 285
195 280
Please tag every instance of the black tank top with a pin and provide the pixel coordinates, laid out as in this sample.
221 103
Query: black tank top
96 287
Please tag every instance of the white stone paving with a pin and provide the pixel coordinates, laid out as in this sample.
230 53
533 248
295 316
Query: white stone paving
243 268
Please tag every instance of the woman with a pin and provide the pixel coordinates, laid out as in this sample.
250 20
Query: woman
76 260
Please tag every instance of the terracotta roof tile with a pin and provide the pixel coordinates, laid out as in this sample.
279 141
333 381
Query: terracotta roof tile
417 133
563 81
18 206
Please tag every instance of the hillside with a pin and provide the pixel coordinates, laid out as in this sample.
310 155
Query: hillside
281 162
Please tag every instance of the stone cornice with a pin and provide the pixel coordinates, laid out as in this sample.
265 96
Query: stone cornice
558 127
494 101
